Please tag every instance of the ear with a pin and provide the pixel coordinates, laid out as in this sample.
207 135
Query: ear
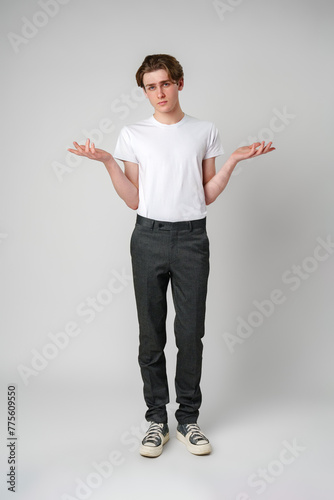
180 85
144 90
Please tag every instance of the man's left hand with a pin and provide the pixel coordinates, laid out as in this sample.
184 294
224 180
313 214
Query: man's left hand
256 149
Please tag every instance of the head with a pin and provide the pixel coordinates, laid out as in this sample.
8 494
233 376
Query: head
161 77
160 61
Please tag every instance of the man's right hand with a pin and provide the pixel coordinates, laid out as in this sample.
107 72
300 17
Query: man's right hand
126 188
89 151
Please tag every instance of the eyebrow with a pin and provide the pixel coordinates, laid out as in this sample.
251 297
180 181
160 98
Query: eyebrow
152 84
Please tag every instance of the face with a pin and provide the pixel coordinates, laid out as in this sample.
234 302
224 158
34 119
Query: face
162 93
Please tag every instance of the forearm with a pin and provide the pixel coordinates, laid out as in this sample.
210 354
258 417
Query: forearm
217 184
123 186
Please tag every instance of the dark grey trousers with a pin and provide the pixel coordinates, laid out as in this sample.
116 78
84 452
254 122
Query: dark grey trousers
176 252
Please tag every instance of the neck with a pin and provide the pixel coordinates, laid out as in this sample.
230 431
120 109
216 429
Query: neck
169 118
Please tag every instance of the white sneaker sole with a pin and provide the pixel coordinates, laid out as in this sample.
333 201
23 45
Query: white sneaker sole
195 449
153 451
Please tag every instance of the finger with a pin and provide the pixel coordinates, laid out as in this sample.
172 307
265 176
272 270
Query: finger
87 146
259 151
80 151
251 151
80 148
267 147
74 151
93 148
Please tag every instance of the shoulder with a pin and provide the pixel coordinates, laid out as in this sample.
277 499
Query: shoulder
196 122
202 127
132 127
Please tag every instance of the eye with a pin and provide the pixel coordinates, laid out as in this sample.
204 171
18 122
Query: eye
166 84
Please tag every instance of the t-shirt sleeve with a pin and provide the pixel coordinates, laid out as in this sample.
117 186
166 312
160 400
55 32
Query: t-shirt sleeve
215 147
123 149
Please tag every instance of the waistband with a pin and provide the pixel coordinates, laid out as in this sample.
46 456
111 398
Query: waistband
170 226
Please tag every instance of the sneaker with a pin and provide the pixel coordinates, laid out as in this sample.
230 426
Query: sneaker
194 439
156 436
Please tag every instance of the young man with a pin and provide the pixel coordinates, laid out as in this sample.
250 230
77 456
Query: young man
169 177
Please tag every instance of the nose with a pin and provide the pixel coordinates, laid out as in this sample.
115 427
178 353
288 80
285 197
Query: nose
161 93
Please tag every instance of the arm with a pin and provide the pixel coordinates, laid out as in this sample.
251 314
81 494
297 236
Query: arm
125 183
214 184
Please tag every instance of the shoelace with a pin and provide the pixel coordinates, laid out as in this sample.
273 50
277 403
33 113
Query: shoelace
196 433
153 432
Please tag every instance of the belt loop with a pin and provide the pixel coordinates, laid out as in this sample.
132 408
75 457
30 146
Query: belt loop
153 223
190 225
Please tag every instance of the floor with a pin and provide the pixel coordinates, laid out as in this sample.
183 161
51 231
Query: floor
78 443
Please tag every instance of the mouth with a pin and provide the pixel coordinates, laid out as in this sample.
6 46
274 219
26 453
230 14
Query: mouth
162 103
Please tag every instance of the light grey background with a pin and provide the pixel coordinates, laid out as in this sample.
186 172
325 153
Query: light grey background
64 234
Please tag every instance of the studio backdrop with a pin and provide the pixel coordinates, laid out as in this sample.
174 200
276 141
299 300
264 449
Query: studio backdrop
72 409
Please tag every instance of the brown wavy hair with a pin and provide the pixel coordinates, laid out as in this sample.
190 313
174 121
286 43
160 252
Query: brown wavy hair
160 61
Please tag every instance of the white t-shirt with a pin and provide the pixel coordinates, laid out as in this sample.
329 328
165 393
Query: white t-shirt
170 165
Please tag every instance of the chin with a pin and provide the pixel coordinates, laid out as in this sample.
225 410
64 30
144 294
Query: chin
164 109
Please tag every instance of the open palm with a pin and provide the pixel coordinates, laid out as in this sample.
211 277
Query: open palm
89 151
245 152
